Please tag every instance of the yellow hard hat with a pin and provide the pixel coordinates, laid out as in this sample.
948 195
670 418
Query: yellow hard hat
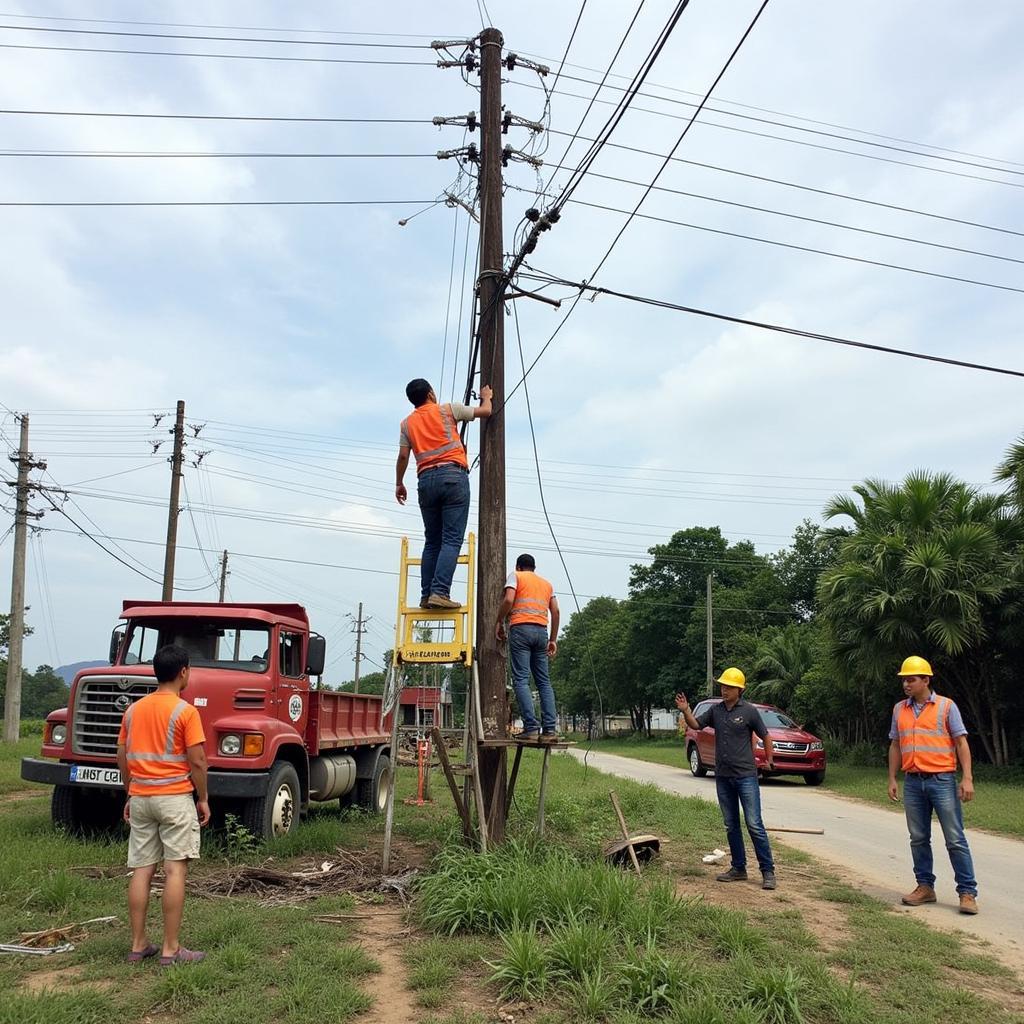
915 666
733 677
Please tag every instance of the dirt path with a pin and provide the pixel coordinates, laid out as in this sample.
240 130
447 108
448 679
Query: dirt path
381 933
870 846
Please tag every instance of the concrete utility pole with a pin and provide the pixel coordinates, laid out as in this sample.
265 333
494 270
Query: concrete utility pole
359 628
710 641
12 697
172 508
493 698
223 575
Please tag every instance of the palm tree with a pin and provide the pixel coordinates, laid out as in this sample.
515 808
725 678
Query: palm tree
925 570
782 661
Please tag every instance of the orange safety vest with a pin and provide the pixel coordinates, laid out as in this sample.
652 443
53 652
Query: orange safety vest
533 596
156 733
925 741
434 438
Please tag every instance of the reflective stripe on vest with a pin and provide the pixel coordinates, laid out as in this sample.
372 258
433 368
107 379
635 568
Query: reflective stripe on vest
433 436
533 596
925 741
168 752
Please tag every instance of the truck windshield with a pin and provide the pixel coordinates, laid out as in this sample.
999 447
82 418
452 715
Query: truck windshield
243 646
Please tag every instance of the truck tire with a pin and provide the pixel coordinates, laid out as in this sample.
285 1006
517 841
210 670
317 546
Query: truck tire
697 766
372 793
83 812
815 778
276 813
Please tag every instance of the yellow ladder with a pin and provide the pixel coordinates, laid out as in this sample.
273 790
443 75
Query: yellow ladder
459 650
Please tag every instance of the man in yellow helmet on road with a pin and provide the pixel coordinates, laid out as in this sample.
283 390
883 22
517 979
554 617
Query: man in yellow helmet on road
736 722
926 738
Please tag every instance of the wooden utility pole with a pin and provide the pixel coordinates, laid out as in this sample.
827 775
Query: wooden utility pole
12 697
223 575
710 641
493 698
172 508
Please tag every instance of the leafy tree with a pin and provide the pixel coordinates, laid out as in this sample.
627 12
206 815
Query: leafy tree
926 570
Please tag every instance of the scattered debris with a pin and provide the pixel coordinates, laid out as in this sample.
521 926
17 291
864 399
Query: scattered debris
803 831
64 947
54 940
714 857
350 873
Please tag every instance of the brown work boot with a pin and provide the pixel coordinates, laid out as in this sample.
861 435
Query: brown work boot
968 903
921 895
441 601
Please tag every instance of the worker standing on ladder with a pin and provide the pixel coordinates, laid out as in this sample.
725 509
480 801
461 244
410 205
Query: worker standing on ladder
442 471
529 600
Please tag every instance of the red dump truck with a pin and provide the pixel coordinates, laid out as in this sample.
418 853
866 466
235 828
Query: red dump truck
275 741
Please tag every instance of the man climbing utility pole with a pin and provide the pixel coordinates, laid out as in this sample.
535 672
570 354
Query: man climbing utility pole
493 698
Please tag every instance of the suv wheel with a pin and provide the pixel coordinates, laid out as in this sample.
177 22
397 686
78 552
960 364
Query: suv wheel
815 778
697 766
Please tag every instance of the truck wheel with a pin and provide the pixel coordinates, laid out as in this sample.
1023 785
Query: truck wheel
276 813
372 793
697 766
82 812
815 778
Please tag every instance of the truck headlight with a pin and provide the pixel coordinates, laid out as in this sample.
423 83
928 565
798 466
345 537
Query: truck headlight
817 745
759 744
231 744
59 735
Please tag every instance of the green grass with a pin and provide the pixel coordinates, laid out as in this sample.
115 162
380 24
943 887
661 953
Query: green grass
547 920
998 804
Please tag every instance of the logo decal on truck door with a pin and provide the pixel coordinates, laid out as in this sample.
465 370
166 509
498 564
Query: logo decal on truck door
295 707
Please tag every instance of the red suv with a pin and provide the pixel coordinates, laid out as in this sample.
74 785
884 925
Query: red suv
796 752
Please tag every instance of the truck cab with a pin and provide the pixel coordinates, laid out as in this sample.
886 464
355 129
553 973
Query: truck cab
275 740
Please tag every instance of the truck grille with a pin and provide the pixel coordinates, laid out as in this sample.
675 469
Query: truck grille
791 748
100 704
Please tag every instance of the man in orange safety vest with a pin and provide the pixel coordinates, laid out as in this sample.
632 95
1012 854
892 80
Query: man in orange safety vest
430 433
927 737
529 600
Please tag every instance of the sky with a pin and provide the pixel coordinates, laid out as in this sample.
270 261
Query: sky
290 331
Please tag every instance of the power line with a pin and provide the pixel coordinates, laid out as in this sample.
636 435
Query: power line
142 155
221 202
568 45
799 248
223 56
225 28
810 188
210 39
778 328
806 143
801 217
682 135
284 119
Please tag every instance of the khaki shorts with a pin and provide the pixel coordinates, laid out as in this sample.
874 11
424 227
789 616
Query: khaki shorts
163 828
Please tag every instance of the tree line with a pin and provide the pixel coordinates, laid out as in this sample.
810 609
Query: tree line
930 565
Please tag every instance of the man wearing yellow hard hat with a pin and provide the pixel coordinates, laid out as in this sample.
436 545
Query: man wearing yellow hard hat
736 722
926 738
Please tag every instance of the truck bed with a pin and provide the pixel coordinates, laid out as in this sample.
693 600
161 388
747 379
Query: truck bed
339 720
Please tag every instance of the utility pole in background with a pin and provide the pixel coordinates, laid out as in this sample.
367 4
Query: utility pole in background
223 575
12 697
493 698
710 641
359 628
172 509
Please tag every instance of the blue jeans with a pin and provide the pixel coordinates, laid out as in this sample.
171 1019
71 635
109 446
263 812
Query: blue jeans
444 504
528 648
939 793
745 791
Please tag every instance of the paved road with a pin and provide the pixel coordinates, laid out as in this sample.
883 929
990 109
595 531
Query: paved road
871 844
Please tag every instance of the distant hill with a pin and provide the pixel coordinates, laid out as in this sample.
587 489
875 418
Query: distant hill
68 672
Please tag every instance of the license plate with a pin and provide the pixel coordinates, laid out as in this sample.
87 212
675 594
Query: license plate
94 775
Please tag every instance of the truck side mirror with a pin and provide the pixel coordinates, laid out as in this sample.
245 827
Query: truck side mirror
316 656
115 644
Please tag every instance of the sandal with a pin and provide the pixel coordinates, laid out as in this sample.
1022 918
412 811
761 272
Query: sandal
183 956
137 957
